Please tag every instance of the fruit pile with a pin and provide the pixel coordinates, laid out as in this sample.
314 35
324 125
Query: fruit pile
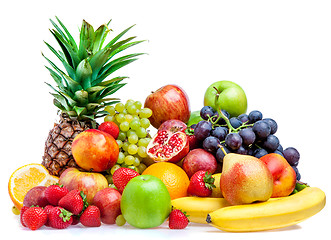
217 166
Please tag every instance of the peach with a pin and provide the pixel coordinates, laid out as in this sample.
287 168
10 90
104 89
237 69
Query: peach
245 179
95 150
284 177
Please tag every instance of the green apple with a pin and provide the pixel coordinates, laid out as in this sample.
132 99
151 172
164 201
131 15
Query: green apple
228 96
145 202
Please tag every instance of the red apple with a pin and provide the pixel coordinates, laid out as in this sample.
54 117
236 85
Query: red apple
168 102
88 182
108 200
199 159
284 176
95 150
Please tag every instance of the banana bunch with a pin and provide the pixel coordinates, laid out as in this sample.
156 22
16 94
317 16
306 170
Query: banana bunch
197 208
272 214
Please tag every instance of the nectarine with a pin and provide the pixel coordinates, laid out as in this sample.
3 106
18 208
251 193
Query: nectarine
95 150
283 174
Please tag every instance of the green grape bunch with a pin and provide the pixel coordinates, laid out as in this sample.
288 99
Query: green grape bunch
133 139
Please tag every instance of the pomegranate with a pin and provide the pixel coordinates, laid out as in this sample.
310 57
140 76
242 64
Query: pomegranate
170 144
173 125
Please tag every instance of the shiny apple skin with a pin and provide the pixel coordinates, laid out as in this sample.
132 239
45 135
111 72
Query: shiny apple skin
108 200
168 102
88 182
232 97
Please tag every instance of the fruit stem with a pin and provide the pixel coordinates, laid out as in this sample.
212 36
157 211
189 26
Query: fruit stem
221 115
222 148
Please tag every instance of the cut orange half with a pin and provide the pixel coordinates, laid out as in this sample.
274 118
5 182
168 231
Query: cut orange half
25 178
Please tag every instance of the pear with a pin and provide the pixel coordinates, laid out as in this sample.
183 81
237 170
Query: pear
245 179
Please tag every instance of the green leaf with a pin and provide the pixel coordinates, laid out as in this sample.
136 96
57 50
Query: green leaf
107 99
86 40
112 81
90 117
104 69
92 106
60 99
209 181
68 68
81 97
101 114
99 37
79 110
101 57
58 105
69 53
70 39
114 40
112 69
53 65
126 46
72 84
84 74
111 102
95 89
69 100
57 78
111 90
98 60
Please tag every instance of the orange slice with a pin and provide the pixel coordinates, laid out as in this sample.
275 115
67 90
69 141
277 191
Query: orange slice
51 180
25 178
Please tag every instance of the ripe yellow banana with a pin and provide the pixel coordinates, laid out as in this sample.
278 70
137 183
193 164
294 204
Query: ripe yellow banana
277 213
198 207
216 192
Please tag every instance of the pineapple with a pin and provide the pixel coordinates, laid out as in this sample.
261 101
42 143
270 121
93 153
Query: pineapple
83 89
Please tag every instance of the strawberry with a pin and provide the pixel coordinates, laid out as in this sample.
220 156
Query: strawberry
110 128
48 209
74 201
23 209
201 184
192 140
59 218
91 217
34 218
122 176
178 219
75 220
54 193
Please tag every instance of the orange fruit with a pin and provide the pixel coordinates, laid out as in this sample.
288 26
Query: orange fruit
173 176
25 178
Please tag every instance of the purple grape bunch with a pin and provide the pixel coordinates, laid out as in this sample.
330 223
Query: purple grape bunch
248 134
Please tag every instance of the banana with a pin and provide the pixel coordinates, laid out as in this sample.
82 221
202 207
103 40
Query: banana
198 207
216 192
277 213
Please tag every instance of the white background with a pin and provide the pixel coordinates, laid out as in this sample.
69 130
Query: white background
278 51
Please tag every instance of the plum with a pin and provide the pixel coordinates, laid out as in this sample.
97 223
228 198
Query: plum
36 196
199 159
108 200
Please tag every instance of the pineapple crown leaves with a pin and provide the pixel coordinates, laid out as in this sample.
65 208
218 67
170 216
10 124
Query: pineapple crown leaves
209 181
83 89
